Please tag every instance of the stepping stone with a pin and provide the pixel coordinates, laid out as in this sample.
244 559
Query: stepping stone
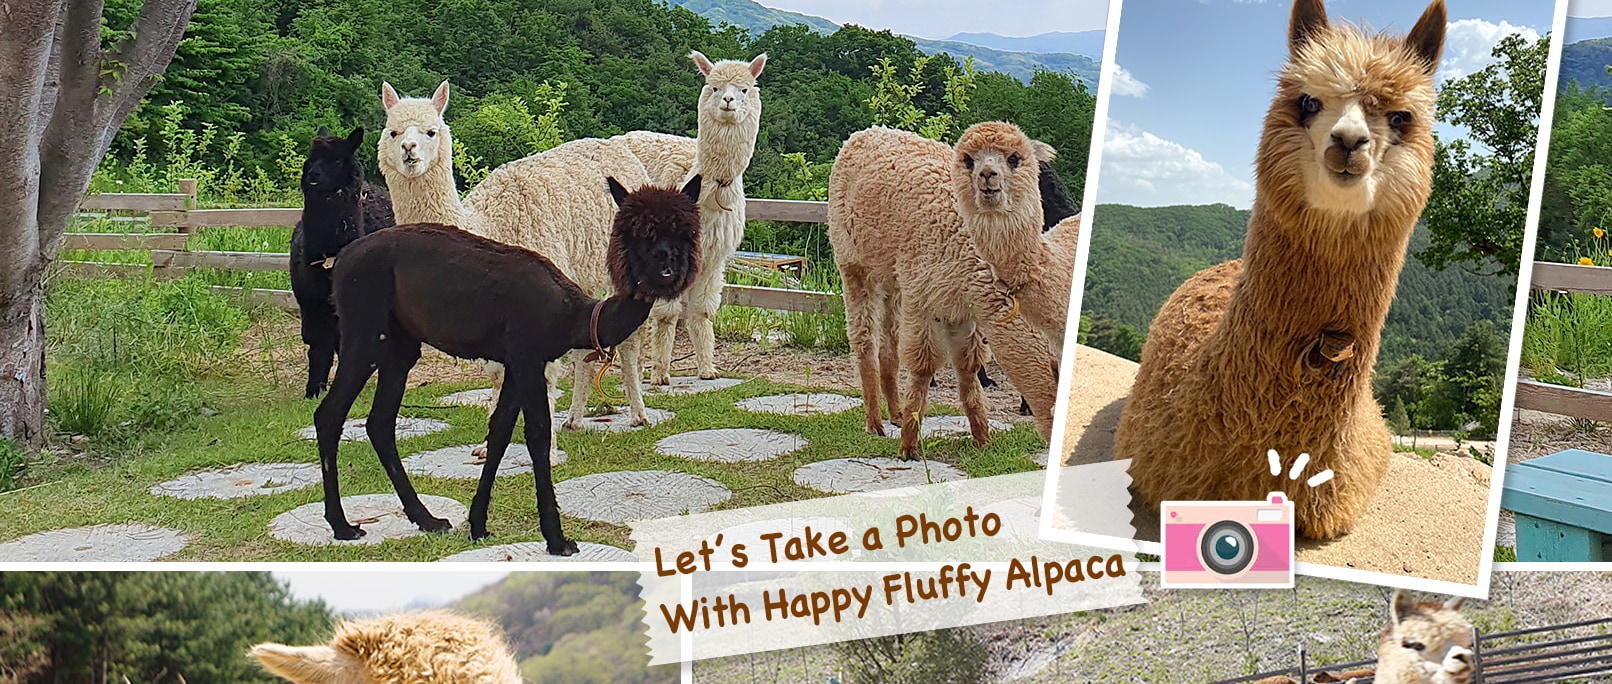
730 445
538 552
1040 457
353 430
846 475
616 422
944 426
476 397
127 543
380 516
691 385
234 482
627 496
800 404
455 462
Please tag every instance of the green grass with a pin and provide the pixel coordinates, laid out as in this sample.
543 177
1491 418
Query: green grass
12 461
1505 554
1569 333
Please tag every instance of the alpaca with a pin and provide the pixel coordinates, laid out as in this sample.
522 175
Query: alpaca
431 646
338 206
668 159
730 117
1275 351
1426 642
914 286
998 193
548 203
476 298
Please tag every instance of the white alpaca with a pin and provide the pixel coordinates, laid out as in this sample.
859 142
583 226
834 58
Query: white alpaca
555 203
730 116
434 646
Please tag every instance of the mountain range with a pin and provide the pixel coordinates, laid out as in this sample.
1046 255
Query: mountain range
1585 61
1070 52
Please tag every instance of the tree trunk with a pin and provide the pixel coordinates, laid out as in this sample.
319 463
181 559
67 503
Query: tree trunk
22 367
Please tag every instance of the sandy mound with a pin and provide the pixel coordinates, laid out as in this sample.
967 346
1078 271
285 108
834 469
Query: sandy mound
1426 521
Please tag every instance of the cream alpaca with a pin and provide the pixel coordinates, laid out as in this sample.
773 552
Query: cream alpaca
555 203
434 646
669 159
730 116
996 180
1275 351
916 291
1425 643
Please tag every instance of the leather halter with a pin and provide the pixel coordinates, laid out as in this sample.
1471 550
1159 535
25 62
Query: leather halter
599 354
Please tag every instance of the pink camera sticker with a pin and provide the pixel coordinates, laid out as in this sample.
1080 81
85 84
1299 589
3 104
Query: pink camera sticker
1227 544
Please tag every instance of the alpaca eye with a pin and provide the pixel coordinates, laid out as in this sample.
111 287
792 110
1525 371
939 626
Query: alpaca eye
1398 119
391 132
431 133
744 90
968 162
1309 105
1013 161
1413 645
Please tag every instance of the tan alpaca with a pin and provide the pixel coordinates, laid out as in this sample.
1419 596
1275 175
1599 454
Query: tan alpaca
1425 643
917 294
1275 351
412 648
996 180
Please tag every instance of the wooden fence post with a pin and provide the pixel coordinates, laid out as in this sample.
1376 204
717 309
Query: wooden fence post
187 187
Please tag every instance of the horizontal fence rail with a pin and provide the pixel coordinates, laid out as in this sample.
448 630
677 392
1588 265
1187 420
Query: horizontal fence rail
175 214
1557 399
1569 652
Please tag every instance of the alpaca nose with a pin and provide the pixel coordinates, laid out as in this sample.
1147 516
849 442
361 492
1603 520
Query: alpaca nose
1350 141
727 99
409 145
663 255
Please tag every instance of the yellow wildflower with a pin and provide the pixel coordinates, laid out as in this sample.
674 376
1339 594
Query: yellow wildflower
1585 261
1599 233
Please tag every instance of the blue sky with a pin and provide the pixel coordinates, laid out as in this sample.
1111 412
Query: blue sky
1588 9
1194 80
944 18
360 589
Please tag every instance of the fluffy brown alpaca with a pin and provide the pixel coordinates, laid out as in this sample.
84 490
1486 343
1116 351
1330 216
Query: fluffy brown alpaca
433 646
997 182
916 291
1275 351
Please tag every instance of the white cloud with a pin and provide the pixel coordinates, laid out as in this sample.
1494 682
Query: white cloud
1589 8
1126 84
1468 42
1142 169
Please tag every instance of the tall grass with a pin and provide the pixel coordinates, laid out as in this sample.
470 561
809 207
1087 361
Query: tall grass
12 460
1568 334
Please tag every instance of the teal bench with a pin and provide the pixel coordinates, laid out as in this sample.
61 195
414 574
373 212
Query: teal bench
1563 504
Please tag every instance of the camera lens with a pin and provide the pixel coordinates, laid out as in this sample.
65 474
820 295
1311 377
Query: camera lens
1227 547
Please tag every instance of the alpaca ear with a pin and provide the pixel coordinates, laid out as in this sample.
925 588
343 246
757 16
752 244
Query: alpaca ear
1426 39
1309 19
757 64
617 193
692 189
1043 152
355 139
388 95
439 99
703 62
309 664
323 132
1455 603
1400 605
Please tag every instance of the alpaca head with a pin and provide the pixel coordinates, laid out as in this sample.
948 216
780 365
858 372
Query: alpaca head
730 95
1350 131
1427 637
655 242
434 646
332 166
996 169
416 138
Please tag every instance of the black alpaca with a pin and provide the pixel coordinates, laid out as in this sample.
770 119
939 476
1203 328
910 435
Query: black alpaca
474 298
338 206
1056 205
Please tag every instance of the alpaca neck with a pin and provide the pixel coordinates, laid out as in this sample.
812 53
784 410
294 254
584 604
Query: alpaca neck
723 150
619 317
430 197
1010 242
1314 273
329 221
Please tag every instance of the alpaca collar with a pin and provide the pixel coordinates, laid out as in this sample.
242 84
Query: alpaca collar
598 353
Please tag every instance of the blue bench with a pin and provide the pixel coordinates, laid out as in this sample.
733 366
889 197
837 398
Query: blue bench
1563 504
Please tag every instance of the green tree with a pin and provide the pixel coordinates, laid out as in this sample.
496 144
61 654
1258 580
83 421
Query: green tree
1479 203
1398 420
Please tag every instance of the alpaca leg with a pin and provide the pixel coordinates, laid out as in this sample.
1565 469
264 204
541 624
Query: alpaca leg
632 381
499 429
890 352
581 388
539 433
496 370
354 371
702 306
922 357
663 335
381 425
859 321
320 333
968 357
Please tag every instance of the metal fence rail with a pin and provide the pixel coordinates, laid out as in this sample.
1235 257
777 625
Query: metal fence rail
1570 652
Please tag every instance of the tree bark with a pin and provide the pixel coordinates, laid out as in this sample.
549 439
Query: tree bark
22 367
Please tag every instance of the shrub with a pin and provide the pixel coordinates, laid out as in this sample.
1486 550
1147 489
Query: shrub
947 656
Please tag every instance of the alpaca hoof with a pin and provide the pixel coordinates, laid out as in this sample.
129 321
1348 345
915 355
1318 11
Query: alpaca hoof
433 524
1024 408
659 378
563 547
478 535
712 375
478 455
346 532
876 428
313 390
910 454
571 424
640 419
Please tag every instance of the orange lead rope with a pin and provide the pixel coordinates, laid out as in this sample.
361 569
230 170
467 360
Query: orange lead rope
599 354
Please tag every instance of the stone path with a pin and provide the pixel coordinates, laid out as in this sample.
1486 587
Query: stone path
846 475
379 515
353 430
943 426
618 421
800 404
455 462
529 552
626 496
691 385
730 445
124 543
476 397
234 482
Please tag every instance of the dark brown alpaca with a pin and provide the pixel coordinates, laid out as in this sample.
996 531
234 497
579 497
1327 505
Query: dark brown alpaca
474 298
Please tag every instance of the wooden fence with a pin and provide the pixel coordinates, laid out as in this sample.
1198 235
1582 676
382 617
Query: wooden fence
174 218
1567 401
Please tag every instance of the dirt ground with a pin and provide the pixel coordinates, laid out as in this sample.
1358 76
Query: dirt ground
1426 521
